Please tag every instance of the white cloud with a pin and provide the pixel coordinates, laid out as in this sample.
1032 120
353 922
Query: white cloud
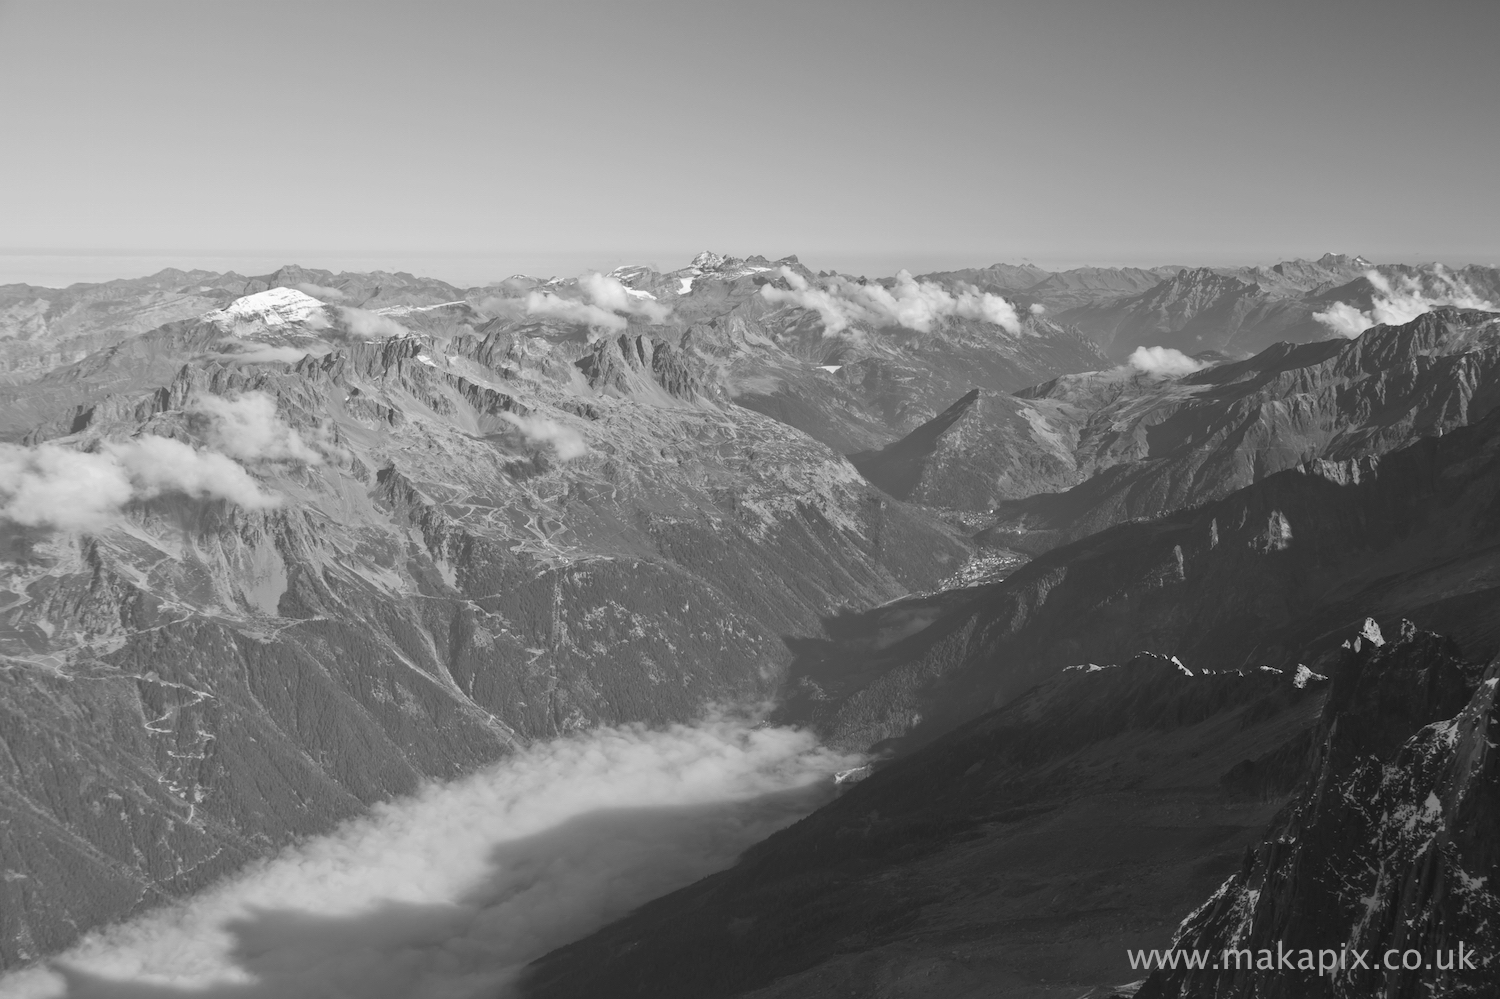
371 324
546 305
540 430
1401 301
609 293
161 465
604 303
1164 361
322 292
57 487
909 303
1344 319
248 428
445 895
51 486
1037 308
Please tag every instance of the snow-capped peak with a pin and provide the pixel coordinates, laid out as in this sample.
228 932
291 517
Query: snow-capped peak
273 307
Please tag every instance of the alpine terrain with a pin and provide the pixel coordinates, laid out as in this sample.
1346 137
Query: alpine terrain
1135 608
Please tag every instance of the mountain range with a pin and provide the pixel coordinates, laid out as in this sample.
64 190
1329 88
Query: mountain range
1119 578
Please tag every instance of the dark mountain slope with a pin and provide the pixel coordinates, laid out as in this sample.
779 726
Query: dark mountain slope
898 467
1021 855
1271 570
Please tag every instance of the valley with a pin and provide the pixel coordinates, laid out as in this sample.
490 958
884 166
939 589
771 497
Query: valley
352 536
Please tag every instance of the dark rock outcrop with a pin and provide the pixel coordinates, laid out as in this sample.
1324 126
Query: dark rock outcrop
620 363
1392 844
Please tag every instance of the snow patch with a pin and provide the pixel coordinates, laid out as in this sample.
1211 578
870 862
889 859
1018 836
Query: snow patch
273 307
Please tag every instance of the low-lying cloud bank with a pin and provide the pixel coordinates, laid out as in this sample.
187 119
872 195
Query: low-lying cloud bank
916 305
604 302
1401 302
57 487
446 894
1164 361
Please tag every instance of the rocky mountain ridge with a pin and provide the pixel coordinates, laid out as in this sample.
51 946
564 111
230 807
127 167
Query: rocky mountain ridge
1388 845
992 857
430 544
347 533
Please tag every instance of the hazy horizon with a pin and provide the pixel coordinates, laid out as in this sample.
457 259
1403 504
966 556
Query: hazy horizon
496 138
60 269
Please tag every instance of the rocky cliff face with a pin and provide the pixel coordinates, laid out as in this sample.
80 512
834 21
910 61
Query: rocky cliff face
1390 844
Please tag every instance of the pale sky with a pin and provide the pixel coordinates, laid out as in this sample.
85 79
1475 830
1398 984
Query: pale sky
474 140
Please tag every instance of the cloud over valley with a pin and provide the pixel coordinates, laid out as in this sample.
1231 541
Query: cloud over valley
445 894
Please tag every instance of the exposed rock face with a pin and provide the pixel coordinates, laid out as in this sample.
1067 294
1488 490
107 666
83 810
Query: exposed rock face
620 364
1391 843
